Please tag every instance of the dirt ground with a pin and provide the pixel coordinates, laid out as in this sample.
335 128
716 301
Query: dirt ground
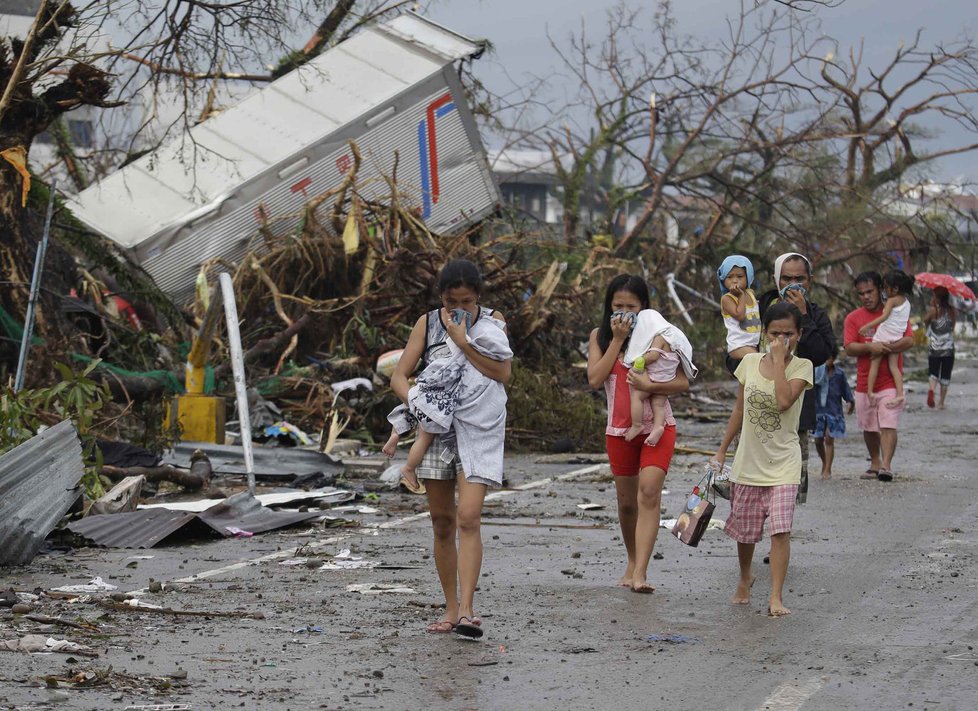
882 583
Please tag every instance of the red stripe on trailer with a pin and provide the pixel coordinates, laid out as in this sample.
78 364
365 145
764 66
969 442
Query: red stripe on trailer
432 148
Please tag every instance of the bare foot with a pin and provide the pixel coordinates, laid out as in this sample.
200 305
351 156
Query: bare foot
410 480
654 436
940 407
633 432
826 475
742 596
626 579
390 447
641 586
777 609
896 402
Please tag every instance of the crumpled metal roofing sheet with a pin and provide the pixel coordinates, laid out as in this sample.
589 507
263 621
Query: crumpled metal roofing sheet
136 529
146 528
245 512
38 484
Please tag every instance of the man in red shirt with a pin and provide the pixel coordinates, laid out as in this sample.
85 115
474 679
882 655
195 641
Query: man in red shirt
877 421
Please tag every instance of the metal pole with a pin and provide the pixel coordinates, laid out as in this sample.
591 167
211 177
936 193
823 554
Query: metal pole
237 367
42 248
670 287
695 293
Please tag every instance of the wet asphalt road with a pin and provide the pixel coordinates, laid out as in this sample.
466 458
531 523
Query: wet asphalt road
883 584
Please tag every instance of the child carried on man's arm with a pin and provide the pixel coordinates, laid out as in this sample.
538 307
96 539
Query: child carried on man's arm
442 392
738 304
659 348
889 327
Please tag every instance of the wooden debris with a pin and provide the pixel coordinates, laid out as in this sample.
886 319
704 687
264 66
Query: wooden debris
136 606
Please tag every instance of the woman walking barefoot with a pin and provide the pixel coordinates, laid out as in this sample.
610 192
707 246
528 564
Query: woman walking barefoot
767 466
639 469
474 464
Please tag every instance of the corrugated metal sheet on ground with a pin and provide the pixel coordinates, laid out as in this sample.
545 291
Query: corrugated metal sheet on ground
146 528
38 484
273 462
137 529
244 511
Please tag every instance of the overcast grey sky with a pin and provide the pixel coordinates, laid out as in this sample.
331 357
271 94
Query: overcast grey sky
518 29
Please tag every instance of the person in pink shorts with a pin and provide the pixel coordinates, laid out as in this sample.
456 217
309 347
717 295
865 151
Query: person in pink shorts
766 469
878 420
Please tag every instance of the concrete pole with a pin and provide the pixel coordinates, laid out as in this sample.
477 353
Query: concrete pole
237 366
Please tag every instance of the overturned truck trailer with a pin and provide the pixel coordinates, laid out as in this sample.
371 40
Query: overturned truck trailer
392 87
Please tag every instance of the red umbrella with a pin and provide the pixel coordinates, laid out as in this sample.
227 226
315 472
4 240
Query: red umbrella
932 280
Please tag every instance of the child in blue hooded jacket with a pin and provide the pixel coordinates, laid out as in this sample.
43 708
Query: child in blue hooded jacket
741 313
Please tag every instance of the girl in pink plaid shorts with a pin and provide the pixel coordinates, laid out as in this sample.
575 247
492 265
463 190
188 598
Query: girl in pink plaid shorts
767 466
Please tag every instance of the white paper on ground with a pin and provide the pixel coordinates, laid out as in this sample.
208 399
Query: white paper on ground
379 588
349 564
275 499
294 561
357 509
94 585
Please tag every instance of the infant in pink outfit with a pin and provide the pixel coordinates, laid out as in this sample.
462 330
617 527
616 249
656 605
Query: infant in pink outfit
661 364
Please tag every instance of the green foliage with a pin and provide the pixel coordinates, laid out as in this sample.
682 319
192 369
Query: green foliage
708 337
542 411
290 61
76 397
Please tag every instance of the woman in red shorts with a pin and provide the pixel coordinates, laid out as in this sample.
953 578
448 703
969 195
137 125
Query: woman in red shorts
638 469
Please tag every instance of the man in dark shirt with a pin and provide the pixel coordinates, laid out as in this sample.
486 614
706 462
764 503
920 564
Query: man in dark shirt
793 277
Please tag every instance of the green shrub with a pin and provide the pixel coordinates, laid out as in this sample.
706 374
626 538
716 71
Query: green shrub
76 397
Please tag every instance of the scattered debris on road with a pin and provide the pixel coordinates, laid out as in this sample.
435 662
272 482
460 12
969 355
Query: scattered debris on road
34 643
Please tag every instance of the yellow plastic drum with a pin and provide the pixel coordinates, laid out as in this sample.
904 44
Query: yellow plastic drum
387 362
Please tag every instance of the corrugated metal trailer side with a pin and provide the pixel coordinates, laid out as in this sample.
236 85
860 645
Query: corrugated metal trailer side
392 89
449 182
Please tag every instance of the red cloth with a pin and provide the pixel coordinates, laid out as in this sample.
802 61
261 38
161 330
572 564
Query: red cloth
854 321
628 458
619 405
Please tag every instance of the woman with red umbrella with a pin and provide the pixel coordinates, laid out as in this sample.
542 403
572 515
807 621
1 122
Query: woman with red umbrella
953 285
940 320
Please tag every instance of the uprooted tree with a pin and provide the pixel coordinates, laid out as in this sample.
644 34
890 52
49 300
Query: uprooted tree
177 52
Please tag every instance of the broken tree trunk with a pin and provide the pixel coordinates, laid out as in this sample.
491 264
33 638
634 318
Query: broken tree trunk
187 479
121 498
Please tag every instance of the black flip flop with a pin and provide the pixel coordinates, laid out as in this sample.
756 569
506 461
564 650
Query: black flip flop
884 475
468 628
